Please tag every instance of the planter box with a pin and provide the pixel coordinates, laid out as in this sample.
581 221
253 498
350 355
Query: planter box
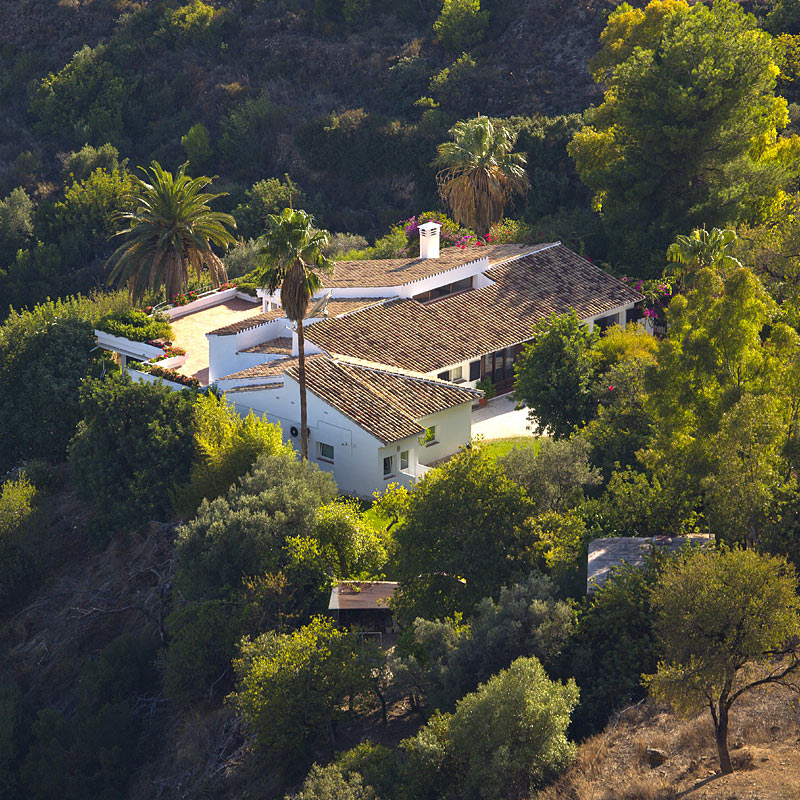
126 347
146 377
171 363
209 301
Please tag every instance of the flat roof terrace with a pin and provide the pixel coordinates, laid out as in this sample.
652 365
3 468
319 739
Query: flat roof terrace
189 332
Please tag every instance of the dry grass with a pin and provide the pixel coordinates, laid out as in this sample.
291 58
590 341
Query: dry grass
763 740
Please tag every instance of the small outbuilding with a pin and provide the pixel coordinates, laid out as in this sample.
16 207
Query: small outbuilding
606 554
364 605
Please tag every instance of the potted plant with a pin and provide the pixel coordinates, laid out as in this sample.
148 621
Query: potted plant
488 389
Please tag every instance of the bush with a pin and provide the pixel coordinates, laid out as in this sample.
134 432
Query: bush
555 374
451 659
226 448
136 326
80 164
461 24
291 687
506 739
16 507
134 444
266 197
196 144
456 87
16 224
247 137
330 783
245 532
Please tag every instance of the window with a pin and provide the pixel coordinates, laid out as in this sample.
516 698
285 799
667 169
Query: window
444 376
474 370
325 452
404 459
445 291
388 466
430 436
456 374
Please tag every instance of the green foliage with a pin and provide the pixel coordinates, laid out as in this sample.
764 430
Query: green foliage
461 24
45 353
196 143
456 87
197 22
16 508
699 74
80 164
330 783
723 620
245 532
291 687
227 446
84 101
133 445
462 537
449 659
506 739
263 198
784 18
613 645
16 223
555 475
555 373
135 325
247 135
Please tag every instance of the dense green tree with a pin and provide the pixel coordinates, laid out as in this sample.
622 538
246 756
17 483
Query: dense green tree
330 783
726 621
16 223
245 531
450 658
196 143
462 536
688 130
265 197
506 739
80 164
479 173
293 259
554 476
555 373
134 445
17 505
291 687
461 24
170 229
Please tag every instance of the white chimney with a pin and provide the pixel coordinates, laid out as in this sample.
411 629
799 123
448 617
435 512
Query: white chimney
429 240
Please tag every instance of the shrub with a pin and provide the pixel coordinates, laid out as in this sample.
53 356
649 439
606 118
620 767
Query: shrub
227 446
16 507
291 687
196 144
16 223
455 86
461 24
506 739
136 326
134 444
330 783
80 164
265 197
245 532
247 137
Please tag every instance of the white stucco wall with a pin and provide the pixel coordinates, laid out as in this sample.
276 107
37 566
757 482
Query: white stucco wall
453 430
223 351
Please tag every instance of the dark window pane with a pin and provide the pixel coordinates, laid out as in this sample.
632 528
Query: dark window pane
474 370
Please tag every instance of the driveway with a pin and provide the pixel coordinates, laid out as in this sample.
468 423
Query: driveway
499 420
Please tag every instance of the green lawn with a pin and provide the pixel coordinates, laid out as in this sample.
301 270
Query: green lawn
500 447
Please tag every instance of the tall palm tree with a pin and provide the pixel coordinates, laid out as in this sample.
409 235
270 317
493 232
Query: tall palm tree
479 173
701 248
170 229
292 257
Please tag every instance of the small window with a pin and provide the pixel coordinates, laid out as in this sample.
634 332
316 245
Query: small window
444 376
404 459
456 374
388 466
325 452
430 436
475 370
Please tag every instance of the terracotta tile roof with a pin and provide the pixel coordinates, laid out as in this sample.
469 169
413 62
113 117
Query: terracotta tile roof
248 322
385 404
338 306
397 271
362 594
255 387
282 345
268 369
410 335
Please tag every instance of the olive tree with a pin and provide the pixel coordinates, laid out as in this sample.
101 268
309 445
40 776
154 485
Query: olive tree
727 622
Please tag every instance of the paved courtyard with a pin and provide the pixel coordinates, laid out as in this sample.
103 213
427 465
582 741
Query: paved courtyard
499 420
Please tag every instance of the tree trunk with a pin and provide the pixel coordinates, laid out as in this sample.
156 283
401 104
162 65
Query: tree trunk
301 352
721 733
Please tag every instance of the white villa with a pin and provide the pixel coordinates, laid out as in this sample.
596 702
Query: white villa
395 348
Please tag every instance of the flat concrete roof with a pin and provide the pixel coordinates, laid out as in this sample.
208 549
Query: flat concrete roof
361 595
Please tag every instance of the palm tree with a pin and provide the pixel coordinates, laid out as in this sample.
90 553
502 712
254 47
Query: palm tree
701 248
479 173
292 257
169 229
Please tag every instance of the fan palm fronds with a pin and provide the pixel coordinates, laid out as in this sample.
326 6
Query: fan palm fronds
479 173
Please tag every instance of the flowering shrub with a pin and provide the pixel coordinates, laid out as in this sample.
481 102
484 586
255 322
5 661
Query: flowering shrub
656 295
169 352
184 299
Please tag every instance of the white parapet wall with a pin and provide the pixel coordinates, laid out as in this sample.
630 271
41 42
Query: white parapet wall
127 347
209 300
